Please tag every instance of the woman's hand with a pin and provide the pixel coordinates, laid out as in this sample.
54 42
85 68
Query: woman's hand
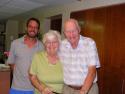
46 90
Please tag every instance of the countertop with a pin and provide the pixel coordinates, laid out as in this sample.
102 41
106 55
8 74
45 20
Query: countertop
4 68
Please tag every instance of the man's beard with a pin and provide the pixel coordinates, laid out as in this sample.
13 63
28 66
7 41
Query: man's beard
35 36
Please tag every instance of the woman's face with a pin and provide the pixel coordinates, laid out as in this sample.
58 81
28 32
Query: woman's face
52 45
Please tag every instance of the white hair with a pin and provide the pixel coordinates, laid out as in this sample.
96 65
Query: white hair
72 20
51 34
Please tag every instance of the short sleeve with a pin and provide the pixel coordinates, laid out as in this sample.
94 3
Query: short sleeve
11 58
93 58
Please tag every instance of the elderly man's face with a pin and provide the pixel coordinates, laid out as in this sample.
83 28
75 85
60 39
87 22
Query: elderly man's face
71 32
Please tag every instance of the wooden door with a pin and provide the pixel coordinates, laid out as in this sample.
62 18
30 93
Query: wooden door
106 26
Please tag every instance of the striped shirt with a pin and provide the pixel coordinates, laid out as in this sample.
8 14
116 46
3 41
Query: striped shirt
76 61
21 56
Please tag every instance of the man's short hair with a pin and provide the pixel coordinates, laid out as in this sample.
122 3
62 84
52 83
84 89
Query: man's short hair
33 19
75 22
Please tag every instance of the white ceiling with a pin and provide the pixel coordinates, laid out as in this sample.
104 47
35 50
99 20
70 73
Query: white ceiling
9 8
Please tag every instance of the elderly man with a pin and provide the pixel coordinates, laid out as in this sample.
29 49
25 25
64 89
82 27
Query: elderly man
80 60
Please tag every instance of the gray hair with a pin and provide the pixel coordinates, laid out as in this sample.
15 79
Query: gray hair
51 33
73 21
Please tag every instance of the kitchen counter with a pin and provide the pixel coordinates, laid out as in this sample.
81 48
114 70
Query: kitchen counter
4 67
4 79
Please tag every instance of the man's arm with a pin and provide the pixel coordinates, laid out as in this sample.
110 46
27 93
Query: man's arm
12 66
89 80
11 56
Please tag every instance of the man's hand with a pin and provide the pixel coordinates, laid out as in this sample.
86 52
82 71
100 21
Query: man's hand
83 92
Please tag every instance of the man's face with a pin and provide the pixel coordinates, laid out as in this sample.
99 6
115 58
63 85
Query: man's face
71 32
32 29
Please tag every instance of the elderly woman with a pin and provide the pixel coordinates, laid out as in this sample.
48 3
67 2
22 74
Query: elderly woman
46 72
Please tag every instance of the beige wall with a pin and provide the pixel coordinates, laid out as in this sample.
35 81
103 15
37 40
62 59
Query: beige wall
11 32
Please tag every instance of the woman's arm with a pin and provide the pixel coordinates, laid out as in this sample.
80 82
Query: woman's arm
41 87
36 83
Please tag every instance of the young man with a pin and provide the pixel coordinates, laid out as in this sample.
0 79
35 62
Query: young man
80 60
20 57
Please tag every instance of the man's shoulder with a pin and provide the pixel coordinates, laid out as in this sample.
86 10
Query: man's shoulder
16 41
64 41
86 39
40 42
